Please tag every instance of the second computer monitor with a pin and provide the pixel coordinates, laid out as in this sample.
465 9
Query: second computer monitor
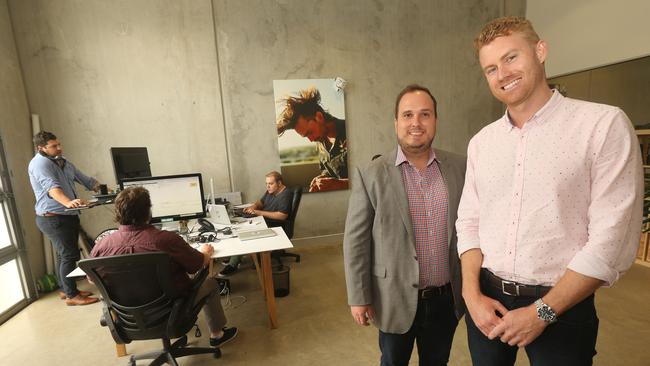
130 162
173 197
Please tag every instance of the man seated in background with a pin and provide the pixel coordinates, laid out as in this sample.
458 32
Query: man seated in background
275 204
135 235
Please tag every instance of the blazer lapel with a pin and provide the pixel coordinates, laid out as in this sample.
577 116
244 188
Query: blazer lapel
452 191
394 175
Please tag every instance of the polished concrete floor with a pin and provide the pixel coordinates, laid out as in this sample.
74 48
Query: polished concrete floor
315 326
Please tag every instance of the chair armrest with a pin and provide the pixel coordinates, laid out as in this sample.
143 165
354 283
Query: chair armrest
184 307
186 304
106 320
197 281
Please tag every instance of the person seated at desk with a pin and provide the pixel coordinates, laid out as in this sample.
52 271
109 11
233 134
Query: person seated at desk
275 204
135 235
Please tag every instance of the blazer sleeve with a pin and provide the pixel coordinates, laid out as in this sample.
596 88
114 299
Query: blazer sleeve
357 243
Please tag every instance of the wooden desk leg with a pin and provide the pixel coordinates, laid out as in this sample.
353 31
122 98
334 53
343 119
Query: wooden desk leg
211 266
120 349
269 290
258 269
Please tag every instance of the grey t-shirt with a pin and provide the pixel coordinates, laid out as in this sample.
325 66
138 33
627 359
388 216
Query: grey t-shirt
279 202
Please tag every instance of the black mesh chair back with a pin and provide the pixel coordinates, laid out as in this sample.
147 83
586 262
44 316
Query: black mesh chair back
295 203
141 302
287 225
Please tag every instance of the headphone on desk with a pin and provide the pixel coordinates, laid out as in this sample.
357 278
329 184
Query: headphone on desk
207 237
211 235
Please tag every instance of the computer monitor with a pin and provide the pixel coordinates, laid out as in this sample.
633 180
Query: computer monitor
173 197
130 162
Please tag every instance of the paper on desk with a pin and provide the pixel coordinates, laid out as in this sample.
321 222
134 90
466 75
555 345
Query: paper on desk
78 272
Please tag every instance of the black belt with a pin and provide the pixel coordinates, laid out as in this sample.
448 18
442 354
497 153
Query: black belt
429 292
513 288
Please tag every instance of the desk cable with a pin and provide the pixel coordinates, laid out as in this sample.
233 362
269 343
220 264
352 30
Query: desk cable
229 303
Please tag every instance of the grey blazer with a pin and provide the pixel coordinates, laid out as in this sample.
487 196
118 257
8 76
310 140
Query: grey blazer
381 268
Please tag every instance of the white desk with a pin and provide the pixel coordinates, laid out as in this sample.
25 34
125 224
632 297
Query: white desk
233 246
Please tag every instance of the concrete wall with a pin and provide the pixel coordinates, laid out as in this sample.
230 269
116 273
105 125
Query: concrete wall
584 34
378 46
127 73
192 80
15 132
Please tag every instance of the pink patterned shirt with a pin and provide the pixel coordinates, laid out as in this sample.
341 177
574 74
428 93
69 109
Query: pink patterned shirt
564 191
428 204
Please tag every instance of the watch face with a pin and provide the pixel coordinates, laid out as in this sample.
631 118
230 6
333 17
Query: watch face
545 312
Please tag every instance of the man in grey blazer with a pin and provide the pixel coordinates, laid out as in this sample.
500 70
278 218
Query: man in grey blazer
401 266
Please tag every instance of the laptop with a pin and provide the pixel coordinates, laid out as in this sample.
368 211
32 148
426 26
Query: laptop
219 215
256 234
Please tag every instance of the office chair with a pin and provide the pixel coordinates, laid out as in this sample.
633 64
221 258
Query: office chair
287 225
104 234
141 302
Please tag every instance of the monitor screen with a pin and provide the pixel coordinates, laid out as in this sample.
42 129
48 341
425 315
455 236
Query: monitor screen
130 162
173 197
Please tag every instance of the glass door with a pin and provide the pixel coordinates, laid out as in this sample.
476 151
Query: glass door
15 281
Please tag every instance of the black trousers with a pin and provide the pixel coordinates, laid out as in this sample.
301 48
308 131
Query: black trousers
571 341
433 330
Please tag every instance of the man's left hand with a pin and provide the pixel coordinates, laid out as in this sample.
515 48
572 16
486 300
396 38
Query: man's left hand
519 327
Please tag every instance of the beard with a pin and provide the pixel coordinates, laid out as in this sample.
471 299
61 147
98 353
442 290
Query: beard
415 148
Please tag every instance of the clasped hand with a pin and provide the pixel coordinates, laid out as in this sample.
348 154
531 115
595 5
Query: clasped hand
515 327
519 327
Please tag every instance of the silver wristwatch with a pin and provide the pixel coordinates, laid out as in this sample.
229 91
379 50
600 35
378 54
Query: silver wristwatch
545 312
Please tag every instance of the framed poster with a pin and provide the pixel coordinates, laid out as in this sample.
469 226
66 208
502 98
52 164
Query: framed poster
310 123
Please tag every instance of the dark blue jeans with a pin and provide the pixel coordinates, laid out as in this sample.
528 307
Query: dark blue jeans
571 341
433 330
63 232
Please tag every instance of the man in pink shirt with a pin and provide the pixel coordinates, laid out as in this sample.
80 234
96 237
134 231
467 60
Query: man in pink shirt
550 211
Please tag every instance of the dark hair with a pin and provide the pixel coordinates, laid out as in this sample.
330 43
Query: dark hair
42 137
277 176
133 206
413 88
306 104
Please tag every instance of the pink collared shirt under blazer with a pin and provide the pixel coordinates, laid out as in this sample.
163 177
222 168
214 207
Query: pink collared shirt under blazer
564 191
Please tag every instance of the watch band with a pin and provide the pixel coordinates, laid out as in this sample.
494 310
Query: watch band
545 312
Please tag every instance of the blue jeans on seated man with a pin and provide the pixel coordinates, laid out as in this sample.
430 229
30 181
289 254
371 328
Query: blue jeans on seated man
63 232
571 341
433 329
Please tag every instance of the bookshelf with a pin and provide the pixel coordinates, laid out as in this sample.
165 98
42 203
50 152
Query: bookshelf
643 254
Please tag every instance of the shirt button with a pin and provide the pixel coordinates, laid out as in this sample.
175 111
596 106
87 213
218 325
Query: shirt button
415 285
415 257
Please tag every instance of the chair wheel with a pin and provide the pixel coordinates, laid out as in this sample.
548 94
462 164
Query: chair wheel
217 353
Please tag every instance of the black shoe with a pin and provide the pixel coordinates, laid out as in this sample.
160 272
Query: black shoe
228 335
228 270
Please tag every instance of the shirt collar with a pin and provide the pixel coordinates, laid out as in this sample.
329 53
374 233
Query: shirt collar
133 227
539 116
401 158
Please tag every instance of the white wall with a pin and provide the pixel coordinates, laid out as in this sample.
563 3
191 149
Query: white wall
583 34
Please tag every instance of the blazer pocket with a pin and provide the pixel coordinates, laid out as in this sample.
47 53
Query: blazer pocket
379 271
